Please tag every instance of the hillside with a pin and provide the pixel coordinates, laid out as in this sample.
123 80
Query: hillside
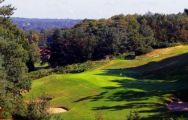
43 24
112 90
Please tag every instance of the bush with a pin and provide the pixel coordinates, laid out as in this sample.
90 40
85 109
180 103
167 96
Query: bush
11 108
78 68
142 51
40 73
37 109
4 115
162 45
123 56
75 68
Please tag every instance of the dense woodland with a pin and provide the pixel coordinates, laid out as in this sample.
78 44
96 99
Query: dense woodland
132 34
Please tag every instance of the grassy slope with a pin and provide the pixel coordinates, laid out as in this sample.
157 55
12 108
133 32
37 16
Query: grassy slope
113 90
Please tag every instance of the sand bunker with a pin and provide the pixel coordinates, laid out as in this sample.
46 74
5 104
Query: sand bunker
56 110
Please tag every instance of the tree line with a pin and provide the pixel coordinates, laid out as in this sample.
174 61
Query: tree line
136 34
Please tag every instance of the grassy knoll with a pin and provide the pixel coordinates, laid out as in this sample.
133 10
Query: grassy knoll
112 90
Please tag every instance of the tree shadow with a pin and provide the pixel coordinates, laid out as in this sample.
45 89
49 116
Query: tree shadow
92 98
132 106
155 79
165 69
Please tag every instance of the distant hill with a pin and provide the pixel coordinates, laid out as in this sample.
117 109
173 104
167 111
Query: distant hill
42 24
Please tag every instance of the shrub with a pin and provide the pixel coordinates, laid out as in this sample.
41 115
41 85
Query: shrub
125 55
80 67
75 68
162 45
4 115
37 109
142 51
40 73
11 108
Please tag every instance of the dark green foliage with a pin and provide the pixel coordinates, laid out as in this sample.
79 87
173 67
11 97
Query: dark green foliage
74 68
78 68
12 106
143 50
40 73
15 79
96 39
14 52
37 109
34 51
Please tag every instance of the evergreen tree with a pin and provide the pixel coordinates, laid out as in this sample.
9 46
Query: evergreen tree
13 55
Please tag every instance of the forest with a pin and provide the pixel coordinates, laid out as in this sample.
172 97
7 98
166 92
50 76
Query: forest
132 34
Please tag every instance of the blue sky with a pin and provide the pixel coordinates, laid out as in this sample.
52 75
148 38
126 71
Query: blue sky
80 9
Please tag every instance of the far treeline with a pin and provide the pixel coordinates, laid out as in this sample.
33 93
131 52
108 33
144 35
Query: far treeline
133 34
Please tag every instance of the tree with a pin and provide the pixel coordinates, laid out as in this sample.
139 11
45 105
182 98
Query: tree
13 54
95 39
15 75
6 10
34 51
186 11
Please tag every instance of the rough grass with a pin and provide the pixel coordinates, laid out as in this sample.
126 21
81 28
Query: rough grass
118 87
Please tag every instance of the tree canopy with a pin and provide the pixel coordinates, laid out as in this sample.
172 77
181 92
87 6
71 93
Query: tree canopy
138 34
14 53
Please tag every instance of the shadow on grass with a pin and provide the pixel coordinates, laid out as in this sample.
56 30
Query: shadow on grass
153 80
168 69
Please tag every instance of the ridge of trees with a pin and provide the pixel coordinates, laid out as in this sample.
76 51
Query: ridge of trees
137 34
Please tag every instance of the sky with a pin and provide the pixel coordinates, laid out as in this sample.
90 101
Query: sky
93 9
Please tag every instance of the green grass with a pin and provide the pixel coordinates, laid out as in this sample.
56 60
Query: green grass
118 87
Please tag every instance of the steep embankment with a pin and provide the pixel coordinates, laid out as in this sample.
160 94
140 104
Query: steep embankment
113 90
